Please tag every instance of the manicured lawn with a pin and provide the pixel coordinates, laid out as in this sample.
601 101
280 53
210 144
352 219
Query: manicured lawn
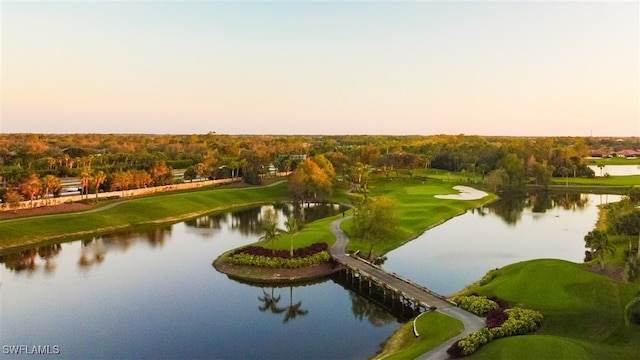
583 311
135 212
317 231
418 209
434 328
613 161
630 180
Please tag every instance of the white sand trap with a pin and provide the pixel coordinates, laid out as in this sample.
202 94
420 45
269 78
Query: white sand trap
466 193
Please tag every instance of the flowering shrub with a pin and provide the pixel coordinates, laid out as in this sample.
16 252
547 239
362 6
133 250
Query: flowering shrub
478 305
297 253
258 256
279 262
518 322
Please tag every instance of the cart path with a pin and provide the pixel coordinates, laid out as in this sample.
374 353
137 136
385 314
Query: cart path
470 321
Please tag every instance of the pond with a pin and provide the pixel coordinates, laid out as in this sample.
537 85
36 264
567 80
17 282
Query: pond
616 170
155 294
459 252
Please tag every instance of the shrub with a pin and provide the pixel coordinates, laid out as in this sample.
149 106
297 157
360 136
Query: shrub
490 275
518 322
279 262
455 351
478 305
496 318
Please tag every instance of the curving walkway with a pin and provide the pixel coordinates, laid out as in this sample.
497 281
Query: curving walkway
470 321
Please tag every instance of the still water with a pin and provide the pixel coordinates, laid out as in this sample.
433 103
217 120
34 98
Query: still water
459 252
616 170
154 294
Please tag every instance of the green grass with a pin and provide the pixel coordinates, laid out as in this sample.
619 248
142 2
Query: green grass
317 231
613 161
434 328
583 312
418 209
132 213
533 348
629 181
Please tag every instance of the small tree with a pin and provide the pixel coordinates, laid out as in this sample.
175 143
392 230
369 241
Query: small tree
13 199
270 225
375 220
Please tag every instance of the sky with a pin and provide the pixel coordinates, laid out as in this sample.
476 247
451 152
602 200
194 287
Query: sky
537 68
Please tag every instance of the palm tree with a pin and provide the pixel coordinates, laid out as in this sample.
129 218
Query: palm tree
49 185
99 179
600 246
293 310
84 178
292 228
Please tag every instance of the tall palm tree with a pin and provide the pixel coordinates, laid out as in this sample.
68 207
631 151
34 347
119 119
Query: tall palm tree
293 310
99 179
292 228
49 185
84 181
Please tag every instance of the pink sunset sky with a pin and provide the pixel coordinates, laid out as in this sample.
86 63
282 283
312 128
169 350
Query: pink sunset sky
296 67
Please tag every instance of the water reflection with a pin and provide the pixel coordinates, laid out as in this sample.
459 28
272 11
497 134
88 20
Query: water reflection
510 208
270 303
94 251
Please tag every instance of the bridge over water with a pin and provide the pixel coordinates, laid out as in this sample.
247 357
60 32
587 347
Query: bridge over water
404 290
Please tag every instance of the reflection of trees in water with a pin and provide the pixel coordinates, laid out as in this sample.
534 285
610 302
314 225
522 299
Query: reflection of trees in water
207 222
510 208
363 308
270 303
26 260
20 261
247 222
94 251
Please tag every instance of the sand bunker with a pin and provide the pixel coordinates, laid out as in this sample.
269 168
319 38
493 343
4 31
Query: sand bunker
466 193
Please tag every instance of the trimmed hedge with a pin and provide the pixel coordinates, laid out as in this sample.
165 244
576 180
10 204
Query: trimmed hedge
519 322
479 305
313 254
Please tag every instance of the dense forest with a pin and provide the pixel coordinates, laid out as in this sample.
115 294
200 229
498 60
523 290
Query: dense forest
33 164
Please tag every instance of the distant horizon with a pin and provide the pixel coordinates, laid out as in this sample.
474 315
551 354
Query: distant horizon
302 134
372 68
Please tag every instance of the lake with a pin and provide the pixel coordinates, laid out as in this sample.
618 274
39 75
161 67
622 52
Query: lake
616 170
155 294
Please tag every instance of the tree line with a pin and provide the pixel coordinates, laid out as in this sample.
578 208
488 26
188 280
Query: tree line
118 162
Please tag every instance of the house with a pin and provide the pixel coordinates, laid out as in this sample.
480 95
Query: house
628 153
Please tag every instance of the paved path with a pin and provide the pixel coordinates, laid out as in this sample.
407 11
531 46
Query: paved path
471 322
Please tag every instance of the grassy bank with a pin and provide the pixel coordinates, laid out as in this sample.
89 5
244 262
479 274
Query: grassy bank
583 312
150 210
418 209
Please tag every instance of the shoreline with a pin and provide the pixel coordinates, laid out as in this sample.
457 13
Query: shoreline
265 275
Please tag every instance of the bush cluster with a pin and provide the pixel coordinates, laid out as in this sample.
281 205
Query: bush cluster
479 305
279 262
518 322
285 254
496 318
258 256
